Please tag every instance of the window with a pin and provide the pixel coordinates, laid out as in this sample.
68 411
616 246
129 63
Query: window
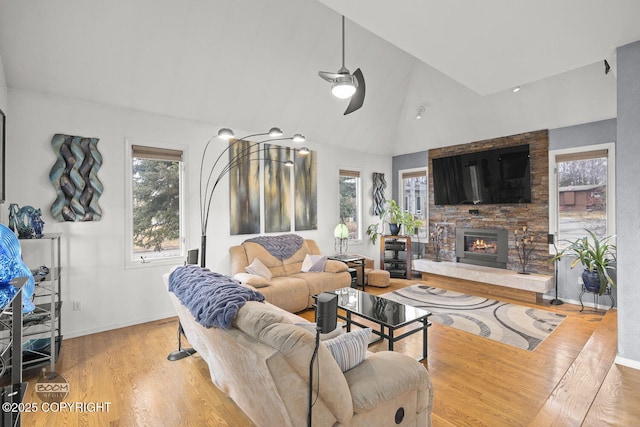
581 195
156 213
350 202
413 187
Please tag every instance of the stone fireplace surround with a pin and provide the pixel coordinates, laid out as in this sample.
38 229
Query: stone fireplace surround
510 217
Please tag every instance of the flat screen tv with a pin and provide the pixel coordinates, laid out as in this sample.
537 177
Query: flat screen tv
495 176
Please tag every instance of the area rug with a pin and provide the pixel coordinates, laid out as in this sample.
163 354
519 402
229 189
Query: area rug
512 324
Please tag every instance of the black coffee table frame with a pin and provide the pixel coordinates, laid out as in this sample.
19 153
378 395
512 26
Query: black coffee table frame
421 317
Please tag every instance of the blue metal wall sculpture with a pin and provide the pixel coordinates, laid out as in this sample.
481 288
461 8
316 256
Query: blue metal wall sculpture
74 176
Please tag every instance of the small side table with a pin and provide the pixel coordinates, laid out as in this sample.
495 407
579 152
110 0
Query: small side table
356 261
607 292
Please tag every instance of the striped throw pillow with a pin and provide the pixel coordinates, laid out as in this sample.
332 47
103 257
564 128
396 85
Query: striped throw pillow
349 349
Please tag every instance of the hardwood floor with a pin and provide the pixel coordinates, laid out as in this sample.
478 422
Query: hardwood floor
478 382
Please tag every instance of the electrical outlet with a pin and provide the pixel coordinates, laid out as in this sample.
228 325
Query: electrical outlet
77 306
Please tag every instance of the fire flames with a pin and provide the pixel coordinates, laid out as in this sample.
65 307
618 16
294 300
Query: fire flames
479 244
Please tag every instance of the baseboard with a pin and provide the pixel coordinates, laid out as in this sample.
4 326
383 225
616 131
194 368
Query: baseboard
84 332
634 364
577 302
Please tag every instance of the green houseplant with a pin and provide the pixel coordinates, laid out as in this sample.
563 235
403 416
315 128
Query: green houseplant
396 218
597 256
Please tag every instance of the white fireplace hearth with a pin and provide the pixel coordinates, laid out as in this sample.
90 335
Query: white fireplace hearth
529 287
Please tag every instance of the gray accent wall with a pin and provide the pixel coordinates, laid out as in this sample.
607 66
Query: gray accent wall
3 89
419 159
628 200
593 133
585 134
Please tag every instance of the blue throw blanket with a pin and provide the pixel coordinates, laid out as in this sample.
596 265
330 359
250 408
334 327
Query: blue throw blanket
212 298
282 246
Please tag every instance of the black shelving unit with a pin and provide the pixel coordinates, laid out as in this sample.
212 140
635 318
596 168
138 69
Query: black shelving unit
395 256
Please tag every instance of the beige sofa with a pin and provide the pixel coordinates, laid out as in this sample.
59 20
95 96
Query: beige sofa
289 288
262 363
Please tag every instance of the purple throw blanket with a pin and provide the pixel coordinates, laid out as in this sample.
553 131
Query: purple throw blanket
282 246
212 298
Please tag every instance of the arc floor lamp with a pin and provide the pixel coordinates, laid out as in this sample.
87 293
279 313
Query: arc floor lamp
209 181
208 185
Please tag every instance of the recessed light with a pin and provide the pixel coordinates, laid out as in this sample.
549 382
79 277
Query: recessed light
516 89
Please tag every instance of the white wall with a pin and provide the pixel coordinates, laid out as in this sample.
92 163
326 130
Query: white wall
456 115
93 252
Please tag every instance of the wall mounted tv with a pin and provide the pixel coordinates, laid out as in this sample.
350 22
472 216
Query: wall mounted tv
495 176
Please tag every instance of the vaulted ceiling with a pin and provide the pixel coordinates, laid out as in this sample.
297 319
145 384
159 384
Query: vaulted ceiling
250 64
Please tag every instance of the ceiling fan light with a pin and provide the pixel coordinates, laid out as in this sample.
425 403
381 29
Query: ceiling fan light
298 137
343 90
275 132
225 133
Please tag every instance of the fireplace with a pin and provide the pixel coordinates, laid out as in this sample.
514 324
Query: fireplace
482 246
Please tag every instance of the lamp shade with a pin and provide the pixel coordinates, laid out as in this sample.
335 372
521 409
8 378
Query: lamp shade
275 132
225 133
341 231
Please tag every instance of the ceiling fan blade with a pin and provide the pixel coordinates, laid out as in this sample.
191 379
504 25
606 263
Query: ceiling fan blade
358 98
330 77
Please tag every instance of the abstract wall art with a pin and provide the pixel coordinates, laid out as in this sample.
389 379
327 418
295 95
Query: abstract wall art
244 188
306 189
74 176
277 189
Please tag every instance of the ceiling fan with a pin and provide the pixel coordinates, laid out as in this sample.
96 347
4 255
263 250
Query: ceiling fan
346 85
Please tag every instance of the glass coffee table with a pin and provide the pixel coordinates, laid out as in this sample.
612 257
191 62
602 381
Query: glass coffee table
388 315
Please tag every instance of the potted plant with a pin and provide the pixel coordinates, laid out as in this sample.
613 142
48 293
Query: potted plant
396 218
597 256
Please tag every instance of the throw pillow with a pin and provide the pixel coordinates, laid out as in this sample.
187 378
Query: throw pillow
349 349
259 269
311 327
313 263
251 279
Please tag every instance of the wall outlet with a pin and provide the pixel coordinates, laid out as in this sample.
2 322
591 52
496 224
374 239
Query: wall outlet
77 306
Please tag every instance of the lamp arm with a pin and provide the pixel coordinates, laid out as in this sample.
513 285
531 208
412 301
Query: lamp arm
206 190
204 154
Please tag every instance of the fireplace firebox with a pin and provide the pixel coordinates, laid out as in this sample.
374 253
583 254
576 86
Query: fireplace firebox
482 246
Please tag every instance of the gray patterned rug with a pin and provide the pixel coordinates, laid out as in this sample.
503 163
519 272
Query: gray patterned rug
516 325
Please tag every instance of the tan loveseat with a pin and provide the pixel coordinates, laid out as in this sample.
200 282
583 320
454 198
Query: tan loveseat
262 363
289 288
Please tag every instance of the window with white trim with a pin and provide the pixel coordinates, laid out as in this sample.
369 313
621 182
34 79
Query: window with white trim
156 207
582 190
414 195
350 212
